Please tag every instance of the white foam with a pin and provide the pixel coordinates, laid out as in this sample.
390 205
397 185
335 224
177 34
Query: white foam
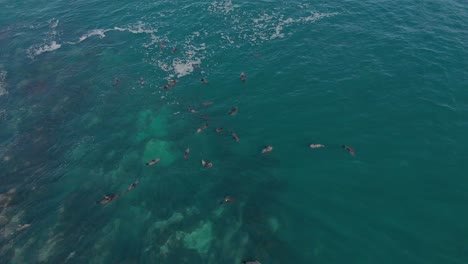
50 42
101 33
270 25
260 29
139 28
263 18
278 33
312 18
164 66
223 7
3 90
154 40
227 38
96 32
192 56
136 30
53 23
182 68
46 48
318 16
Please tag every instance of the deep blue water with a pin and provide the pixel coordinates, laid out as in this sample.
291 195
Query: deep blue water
388 78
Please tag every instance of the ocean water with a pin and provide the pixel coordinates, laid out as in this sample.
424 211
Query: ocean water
389 78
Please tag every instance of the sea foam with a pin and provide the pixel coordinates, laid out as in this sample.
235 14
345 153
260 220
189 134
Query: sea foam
95 32
184 67
223 7
101 33
46 48
3 90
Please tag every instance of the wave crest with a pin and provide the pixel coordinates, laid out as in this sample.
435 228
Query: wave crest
45 48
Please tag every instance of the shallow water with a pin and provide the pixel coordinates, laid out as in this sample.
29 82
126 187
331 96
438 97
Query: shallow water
388 78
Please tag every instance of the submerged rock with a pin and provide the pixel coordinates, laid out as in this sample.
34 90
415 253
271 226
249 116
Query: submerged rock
159 148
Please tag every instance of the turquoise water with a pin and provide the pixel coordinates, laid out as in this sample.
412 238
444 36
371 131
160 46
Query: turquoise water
388 78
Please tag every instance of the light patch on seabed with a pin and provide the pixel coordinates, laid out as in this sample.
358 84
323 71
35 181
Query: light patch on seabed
94 121
104 239
191 58
175 218
48 248
19 251
159 149
201 238
11 223
159 226
151 125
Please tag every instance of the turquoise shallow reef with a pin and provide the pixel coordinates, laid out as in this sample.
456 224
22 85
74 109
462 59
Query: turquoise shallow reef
82 109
